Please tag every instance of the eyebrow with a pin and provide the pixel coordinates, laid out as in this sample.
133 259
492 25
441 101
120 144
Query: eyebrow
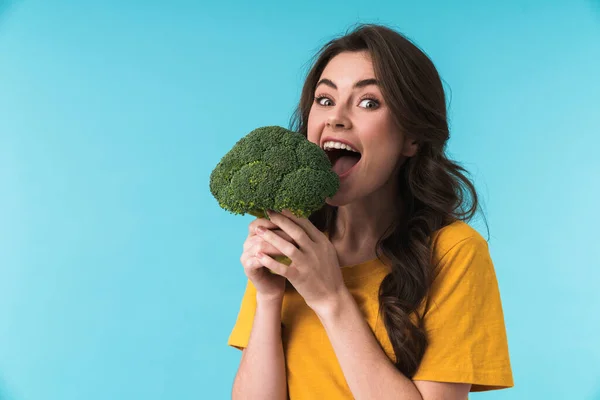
357 85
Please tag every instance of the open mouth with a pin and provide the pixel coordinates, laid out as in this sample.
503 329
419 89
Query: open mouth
342 160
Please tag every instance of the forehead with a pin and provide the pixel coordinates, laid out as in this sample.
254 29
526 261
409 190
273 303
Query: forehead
348 67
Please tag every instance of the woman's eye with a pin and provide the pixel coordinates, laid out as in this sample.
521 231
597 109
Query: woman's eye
323 101
373 103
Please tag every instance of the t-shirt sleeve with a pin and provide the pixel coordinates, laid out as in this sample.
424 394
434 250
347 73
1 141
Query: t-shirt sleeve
243 326
464 321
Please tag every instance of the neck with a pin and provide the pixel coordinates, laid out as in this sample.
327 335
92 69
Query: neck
361 223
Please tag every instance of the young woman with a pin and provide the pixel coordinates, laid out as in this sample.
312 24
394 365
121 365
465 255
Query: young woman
390 294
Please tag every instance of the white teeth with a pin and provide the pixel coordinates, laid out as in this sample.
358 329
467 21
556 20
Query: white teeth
337 145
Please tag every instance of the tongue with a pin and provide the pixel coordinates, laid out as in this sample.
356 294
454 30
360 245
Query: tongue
344 163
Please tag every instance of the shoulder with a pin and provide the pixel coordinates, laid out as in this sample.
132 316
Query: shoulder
457 236
463 314
462 270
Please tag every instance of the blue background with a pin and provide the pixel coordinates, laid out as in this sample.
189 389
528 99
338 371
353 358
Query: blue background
120 275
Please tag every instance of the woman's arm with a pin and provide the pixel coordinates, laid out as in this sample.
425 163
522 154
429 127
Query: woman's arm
368 371
261 374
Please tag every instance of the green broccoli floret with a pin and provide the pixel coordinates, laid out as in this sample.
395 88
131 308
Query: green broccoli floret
273 168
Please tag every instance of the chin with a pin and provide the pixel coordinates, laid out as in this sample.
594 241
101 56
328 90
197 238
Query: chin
337 200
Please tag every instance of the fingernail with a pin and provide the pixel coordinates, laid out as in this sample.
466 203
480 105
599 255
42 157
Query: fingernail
260 230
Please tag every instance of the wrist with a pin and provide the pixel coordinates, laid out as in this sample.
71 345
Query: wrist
269 301
333 305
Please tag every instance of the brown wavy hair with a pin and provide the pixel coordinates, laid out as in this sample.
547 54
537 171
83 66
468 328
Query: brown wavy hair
434 191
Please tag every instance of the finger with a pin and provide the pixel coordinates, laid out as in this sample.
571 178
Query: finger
281 233
282 245
290 227
253 263
311 230
265 247
284 236
251 241
260 245
275 266
260 222
249 261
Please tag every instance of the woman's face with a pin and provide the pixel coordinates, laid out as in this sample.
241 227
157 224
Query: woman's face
349 106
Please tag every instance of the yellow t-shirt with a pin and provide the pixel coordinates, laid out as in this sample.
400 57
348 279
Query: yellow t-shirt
463 319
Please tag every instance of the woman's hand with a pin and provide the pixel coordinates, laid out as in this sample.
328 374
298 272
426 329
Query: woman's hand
315 271
268 285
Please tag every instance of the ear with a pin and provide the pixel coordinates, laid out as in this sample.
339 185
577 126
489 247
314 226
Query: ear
410 148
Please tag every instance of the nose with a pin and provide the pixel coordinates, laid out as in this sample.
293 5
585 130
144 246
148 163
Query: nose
336 120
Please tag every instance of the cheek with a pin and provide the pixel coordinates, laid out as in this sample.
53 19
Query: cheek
313 128
384 144
381 133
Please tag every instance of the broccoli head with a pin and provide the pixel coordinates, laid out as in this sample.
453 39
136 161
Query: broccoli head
273 168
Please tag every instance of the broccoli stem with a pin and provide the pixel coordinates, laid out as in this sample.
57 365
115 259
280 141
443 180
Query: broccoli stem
263 214
259 213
